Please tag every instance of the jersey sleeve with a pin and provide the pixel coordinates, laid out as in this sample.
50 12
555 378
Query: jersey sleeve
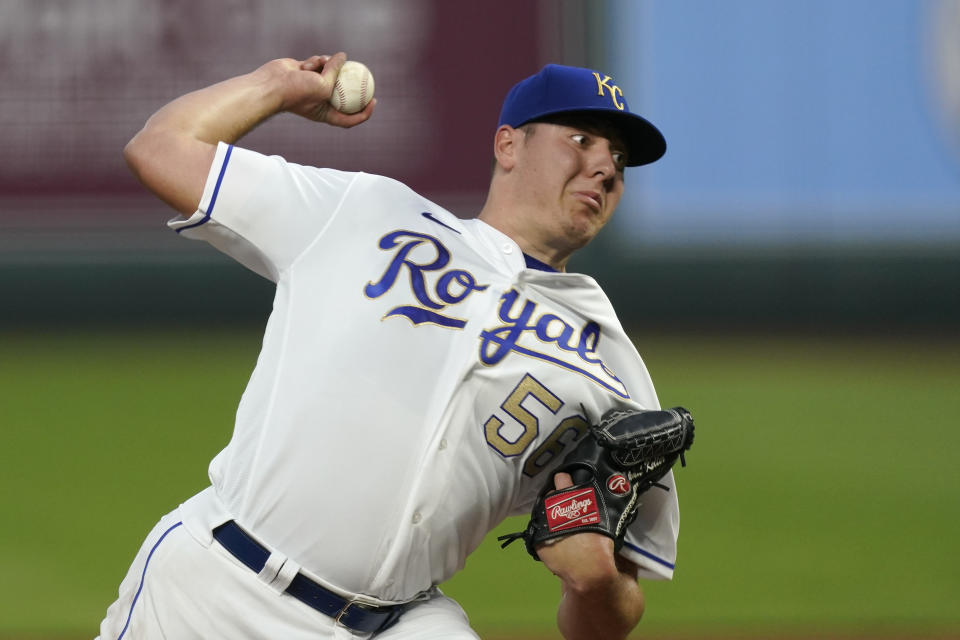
262 210
651 540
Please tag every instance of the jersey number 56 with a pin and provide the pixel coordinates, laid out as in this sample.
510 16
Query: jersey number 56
513 438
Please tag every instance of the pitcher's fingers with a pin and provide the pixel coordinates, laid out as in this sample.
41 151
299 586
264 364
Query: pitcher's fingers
331 67
314 63
347 120
562 480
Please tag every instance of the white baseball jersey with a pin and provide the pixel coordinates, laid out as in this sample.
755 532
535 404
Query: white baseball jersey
417 381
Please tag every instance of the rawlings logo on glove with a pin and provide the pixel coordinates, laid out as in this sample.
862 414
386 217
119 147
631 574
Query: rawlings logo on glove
618 460
571 509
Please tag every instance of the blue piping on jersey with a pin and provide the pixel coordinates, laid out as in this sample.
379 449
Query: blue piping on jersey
143 576
216 190
647 554
429 216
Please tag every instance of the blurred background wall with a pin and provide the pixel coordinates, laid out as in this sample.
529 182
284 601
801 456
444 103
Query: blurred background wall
812 176
811 183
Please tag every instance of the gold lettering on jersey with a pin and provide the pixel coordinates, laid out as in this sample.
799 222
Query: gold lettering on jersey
433 287
529 387
519 319
615 91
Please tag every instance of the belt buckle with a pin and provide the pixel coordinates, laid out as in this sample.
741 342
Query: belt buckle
344 610
389 617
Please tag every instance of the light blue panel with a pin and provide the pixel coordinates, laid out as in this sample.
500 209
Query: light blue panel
814 120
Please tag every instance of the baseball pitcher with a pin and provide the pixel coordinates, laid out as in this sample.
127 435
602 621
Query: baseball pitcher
422 377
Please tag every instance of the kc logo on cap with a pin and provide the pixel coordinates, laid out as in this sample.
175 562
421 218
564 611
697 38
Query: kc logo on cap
612 88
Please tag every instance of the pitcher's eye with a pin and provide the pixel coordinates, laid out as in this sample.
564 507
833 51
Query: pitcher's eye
579 138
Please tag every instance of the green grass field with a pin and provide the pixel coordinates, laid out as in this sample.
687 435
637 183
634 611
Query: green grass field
822 495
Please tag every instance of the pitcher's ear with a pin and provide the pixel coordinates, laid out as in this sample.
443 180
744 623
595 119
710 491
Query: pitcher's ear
505 143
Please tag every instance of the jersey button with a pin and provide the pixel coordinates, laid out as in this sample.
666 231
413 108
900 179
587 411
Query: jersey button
416 517
507 248
443 444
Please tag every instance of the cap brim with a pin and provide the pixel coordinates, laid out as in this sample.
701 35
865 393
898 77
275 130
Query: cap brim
645 143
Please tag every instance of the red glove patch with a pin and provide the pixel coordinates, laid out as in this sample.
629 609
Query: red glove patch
571 508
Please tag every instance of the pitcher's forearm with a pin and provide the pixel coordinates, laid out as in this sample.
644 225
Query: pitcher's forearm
225 111
173 152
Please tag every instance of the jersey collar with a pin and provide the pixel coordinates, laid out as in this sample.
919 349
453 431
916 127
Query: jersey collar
533 263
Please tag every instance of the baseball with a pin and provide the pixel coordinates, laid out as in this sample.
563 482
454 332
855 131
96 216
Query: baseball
353 89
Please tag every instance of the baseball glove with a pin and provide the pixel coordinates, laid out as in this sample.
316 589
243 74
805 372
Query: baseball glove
619 459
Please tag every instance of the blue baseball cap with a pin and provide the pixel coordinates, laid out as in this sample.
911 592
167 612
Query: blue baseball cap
559 89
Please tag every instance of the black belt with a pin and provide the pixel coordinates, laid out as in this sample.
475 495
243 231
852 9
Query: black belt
357 616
